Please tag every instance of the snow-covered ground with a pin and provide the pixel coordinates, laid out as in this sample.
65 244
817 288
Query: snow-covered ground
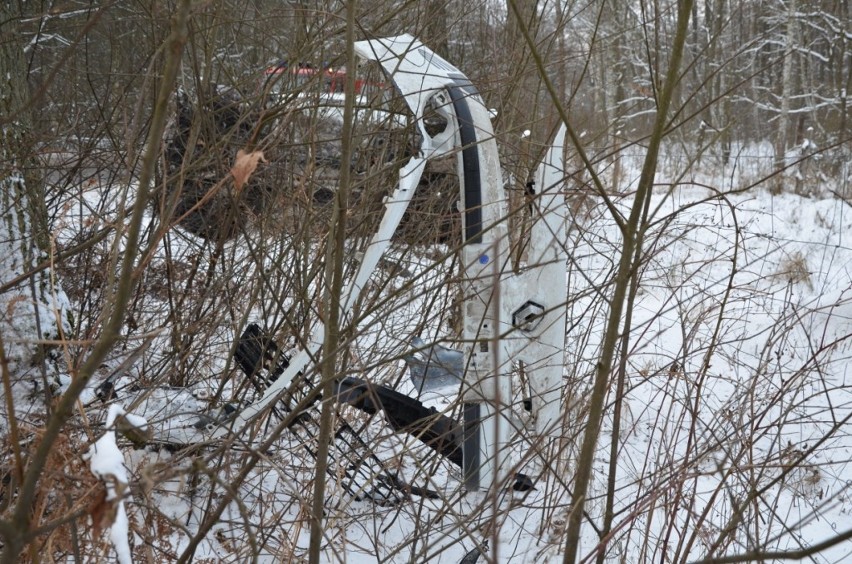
733 429
737 370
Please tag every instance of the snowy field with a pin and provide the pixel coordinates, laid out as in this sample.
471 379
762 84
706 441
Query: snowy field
737 370
733 427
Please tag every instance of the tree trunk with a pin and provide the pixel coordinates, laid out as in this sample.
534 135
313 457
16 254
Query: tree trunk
25 309
782 134
16 151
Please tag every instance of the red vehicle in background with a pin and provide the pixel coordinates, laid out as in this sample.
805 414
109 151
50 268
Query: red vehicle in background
306 79
306 76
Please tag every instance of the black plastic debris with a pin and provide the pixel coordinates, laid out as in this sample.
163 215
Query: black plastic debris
259 357
472 557
106 391
405 414
523 483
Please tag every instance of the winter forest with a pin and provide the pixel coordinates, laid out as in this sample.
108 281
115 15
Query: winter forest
580 291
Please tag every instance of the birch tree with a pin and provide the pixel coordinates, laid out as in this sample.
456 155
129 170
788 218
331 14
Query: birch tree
28 299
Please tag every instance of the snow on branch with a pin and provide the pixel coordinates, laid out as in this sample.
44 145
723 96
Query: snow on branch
107 463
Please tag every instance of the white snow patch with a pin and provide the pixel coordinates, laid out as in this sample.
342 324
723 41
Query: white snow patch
107 462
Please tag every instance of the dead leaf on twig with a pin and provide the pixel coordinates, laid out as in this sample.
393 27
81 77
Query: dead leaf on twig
102 513
244 166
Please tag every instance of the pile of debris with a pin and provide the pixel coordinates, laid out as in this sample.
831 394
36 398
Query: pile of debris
296 181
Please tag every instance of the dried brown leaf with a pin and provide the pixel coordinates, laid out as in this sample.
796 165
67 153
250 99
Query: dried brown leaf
102 513
244 166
